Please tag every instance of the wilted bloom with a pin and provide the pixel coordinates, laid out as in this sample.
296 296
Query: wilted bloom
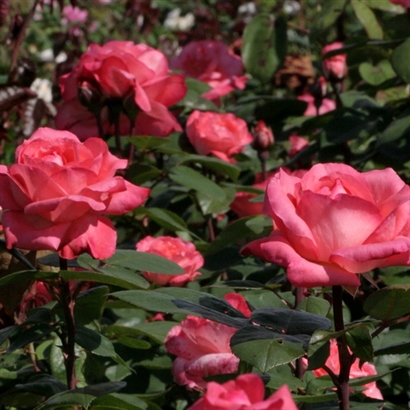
334 223
221 135
176 250
212 62
202 349
356 371
128 80
246 392
334 67
56 195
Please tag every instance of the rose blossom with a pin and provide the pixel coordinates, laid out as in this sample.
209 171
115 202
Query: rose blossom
176 250
335 222
74 15
221 135
246 392
356 371
335 66
212 62
55 196
121 72
202 348
297 144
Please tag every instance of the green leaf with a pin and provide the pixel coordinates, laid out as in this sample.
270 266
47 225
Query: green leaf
140 173
193 98
90 304
397 348
267 354
368 19
94 342
194 180
400 60
144 142
212 205
314 305
118 401
376 74
264 44
144 261
388 303
33 334
43 384
329 13
398 129
215 164
360 341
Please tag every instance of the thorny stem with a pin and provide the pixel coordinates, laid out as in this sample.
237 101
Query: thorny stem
345 358
300 368
68 337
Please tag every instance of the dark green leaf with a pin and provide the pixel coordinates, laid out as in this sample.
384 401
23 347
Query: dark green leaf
140 173
194 180
212 205
33 334
360 341
398 129
43 384
94 342
144 142
389 303
264 46
143 261
90 304
399 348
400 62
267 354
315 305
376 74
368 19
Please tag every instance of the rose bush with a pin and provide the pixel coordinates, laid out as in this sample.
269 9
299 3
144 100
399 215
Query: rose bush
212 62
177 250
246 392
221 135
335 222
202 348
325 105
55 196
357 370
128 75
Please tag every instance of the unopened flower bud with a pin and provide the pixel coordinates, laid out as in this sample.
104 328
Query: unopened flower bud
262 137
89 96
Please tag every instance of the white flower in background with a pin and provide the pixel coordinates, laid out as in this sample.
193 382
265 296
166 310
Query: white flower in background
291 7
42 87
174 21
47 56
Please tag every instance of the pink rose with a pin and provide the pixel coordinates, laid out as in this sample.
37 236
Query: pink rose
297 144
403 3
356 371
334 67
122 74
335 222
55 196
242 204
221 135
202 348
326 105
212 62
175 249
246 392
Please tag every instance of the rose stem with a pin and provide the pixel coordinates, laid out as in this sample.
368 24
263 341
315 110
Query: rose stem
345 358
99 124
300 368
68 338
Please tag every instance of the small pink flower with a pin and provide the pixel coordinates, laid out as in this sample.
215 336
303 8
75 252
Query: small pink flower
334 67
297 144
356 371
74 15
221 135
246 392
174 249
